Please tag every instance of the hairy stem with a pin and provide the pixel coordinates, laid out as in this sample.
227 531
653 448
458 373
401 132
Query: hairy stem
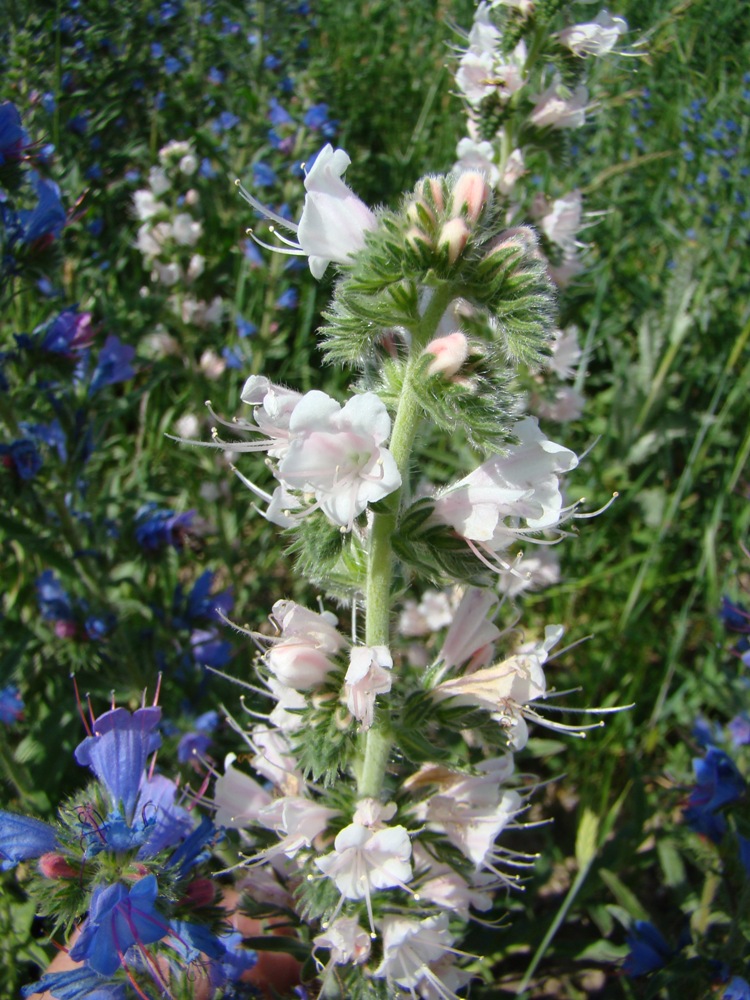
376 743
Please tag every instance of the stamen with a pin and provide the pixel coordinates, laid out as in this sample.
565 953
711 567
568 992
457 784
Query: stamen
265 211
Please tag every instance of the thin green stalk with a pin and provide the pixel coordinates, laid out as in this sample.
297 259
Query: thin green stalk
377 742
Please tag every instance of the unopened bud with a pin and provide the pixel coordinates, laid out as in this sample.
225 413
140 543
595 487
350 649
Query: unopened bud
450 353
417 211
454 235
436 190
201 892
418 240
53 865
470 195
514 243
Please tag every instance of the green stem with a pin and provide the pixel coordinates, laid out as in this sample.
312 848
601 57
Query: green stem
376 743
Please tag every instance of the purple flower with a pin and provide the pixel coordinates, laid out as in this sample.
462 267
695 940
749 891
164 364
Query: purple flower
119 918
157 527
11 705
648 949
739 729
734 616
117 753
67 333
113 364
22 837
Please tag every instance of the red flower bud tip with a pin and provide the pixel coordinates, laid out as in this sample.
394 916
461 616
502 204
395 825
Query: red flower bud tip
54 865
201 892
470 195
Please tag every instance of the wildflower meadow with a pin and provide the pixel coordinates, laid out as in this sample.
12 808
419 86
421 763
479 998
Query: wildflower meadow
375 610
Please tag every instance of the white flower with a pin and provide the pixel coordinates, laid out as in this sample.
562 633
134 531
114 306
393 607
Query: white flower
561 224
274 760
196 266
146 206
566 405
188 164
334 220
298 819
238 797
506 688
557 107
336 454
410 948
474 154
299 659
167 274
369 674
595 38
347 942
274 405
540 568
159 181
487 505
363 860
566 353
186 230
513 170
471 631
474 76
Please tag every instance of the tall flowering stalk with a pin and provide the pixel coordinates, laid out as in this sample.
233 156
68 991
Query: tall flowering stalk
391 808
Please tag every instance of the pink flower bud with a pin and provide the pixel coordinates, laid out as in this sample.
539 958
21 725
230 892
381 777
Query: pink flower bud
416 211
450 353
470 195
436 189
53 865
418 240
454 235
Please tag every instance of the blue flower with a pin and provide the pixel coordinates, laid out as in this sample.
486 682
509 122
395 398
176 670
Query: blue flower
47 219
172 65
11 705
117 919
66 334
288 299
77 984
263 175
719 783
737 989
13 139
277 115
648 949
157 527
113 364
22 837
202 605
209 650
244 327
117 753
193 745
54 603
23 457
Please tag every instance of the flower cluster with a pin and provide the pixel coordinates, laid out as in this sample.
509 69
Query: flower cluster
421 825
129 847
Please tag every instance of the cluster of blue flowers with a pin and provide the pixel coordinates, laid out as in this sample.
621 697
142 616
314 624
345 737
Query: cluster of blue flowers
716 810
136 853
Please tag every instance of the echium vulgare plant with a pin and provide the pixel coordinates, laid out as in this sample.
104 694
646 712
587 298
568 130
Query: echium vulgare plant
390 809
